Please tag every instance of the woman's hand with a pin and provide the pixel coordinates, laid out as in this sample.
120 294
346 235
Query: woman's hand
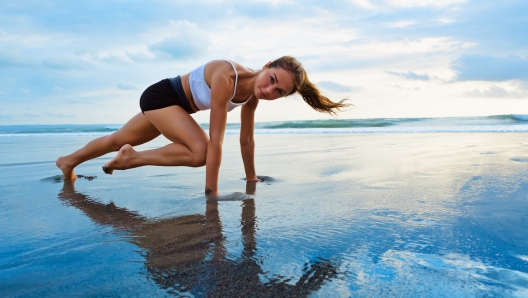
253 179
210 193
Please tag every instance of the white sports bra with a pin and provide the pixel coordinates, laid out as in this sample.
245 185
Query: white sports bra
202 93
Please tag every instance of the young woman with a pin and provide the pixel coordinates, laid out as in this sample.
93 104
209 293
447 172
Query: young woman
219 85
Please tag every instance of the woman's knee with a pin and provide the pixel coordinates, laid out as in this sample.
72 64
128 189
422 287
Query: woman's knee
199 155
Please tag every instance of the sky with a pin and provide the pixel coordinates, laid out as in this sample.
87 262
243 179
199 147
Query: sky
87 62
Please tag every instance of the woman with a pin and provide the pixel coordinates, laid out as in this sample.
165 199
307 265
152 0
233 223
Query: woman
166 106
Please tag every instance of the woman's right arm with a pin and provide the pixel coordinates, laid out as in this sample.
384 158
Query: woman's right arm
247 142
221 86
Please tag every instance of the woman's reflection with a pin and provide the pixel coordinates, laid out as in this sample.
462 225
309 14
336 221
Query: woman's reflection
187 253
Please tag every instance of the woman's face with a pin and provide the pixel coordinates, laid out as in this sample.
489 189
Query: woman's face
273 83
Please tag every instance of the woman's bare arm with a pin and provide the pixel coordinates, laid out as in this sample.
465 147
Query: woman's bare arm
221 91
247 142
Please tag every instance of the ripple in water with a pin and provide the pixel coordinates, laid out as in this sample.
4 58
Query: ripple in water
60 178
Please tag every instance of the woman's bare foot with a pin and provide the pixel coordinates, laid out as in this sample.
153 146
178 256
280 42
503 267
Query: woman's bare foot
67 170
121 161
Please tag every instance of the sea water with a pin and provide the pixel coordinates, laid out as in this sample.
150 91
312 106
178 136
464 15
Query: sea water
498 123
436 214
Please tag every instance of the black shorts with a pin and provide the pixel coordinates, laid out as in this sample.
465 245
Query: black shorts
165 93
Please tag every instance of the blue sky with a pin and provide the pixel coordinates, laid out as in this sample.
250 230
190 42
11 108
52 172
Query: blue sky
89 61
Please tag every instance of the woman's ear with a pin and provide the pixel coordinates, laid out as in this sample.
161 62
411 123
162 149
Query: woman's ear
266 65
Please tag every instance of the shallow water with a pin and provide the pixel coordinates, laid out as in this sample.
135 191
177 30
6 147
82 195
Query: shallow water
441 214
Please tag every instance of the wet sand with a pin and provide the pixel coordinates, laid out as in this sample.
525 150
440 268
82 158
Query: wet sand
440 214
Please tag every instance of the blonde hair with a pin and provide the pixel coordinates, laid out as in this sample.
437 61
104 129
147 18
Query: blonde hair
307 89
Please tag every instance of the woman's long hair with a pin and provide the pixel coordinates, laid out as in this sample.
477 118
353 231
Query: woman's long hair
307 89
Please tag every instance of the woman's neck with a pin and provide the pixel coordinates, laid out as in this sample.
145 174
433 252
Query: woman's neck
246 82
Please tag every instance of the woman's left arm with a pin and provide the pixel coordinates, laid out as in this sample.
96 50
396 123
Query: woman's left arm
220 95
247 142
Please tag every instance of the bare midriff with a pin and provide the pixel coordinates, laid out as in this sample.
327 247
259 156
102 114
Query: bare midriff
187 89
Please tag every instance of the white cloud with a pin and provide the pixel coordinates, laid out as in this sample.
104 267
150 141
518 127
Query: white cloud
445 20
401 24
276 2
67 63
393 48
6 117
59 115
140 55
336 87
13 56
183 40
497 92
410 75
363 4
423 3
127 85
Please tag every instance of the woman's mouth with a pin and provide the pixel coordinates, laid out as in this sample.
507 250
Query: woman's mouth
262 93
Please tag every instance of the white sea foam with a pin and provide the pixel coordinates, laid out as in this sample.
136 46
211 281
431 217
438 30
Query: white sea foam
366 130
524 258
498 123
61 134
353 130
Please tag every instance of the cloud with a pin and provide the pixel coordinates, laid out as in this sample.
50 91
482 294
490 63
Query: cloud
363 4
490 68
497 92
184 40
46 44
410 75
13 56
401 24
336 87
64 63
114 59
423 3
49 115
140 56
123 85
60 115
6 116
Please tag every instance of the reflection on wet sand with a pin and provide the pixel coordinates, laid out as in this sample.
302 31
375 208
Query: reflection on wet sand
187 253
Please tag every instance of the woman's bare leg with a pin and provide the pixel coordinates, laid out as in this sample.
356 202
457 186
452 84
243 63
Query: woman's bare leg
189 147
136 131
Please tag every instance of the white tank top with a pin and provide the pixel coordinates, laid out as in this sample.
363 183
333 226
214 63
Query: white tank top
202 93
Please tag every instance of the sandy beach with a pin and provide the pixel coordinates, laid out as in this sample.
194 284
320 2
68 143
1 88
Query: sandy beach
402 214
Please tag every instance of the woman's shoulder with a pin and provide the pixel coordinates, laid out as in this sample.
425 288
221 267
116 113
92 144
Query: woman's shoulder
224 65
223 68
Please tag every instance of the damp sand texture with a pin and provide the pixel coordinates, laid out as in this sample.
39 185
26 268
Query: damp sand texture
362 215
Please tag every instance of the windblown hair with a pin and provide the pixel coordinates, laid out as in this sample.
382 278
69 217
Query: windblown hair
307 89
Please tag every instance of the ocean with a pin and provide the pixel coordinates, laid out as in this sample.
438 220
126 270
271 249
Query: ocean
498 123
417 207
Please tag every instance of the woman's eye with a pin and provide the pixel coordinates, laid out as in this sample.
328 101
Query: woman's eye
272 79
